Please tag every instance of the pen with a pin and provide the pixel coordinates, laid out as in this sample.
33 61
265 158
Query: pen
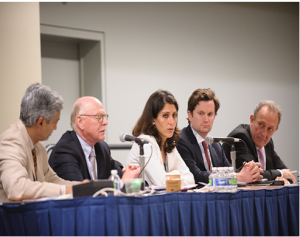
294 171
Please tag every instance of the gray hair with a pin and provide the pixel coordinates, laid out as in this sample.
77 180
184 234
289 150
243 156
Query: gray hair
81 105
75 111
271 106
39 101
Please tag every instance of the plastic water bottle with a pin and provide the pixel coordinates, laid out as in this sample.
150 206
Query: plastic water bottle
227 180
233 180
212 178
217 175
220 180
116 181
223 179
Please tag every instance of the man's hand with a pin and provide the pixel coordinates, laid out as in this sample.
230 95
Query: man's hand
285 180
131 167
250 173
69 189
131 172
287 174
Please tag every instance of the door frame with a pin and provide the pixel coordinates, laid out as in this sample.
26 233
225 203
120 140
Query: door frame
91 56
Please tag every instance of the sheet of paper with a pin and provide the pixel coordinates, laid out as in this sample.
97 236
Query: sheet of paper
61 197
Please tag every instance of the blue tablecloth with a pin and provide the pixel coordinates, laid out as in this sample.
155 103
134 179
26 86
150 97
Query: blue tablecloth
259 212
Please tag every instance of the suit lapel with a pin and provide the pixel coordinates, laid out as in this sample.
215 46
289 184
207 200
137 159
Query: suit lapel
170 161
77 146
194 143
26 137
213 154
40 175
31 164
251 145
191 136
268 163
99 154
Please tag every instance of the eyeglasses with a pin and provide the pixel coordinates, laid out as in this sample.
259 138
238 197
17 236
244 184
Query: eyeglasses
97 116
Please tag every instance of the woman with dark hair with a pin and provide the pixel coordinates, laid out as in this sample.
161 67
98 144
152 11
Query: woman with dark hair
158 125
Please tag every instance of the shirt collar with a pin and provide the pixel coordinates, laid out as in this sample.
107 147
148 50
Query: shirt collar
198 137
30 141
85 146
263 148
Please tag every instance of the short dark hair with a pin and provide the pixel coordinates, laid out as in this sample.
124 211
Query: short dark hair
154 105
205 95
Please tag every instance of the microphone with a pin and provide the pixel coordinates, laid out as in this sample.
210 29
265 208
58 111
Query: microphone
230 140
125 137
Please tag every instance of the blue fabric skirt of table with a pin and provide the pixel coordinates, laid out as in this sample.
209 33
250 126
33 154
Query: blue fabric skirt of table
257 212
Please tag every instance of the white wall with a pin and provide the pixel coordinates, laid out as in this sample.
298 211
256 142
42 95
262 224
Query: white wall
246 52
20 57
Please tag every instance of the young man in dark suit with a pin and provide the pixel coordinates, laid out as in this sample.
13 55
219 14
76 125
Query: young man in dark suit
200 158
258 137
82 153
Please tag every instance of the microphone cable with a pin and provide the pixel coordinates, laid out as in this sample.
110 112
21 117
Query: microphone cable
148 160
245 145
246 153
104 191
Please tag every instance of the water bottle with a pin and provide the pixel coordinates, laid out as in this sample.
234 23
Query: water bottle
221 180
116 181
227 180
233 180
212 178
217 175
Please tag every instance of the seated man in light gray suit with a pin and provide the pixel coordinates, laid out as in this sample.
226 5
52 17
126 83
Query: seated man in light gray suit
24 169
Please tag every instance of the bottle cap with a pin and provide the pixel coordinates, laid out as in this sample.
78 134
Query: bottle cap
114 172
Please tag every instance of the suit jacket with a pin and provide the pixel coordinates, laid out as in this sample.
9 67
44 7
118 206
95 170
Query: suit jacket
190 152
273 161
154 171
68 161
17 168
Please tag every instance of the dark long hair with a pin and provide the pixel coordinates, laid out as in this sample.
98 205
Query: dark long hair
154 105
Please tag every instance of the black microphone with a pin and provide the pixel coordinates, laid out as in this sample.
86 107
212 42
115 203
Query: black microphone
125 137
230 140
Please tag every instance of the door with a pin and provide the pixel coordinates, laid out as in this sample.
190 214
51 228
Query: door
61 71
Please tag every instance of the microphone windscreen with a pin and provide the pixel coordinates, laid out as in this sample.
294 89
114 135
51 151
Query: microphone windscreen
122 137
209 140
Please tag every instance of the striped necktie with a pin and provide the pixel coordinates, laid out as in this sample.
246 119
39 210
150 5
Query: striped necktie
206 154
261 157
34 161
92 160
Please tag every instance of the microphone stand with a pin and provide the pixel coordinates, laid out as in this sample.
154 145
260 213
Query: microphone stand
233 157
142 164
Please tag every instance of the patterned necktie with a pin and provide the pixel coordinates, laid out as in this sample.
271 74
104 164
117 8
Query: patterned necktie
206 154
92 160
34 161
261 157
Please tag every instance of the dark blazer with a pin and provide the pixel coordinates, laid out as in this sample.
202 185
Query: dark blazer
273 162
190 152
68 161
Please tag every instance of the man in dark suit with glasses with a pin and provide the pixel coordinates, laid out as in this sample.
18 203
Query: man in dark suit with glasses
82 153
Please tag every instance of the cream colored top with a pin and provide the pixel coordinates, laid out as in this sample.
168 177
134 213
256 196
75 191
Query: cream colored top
155 173
17 168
